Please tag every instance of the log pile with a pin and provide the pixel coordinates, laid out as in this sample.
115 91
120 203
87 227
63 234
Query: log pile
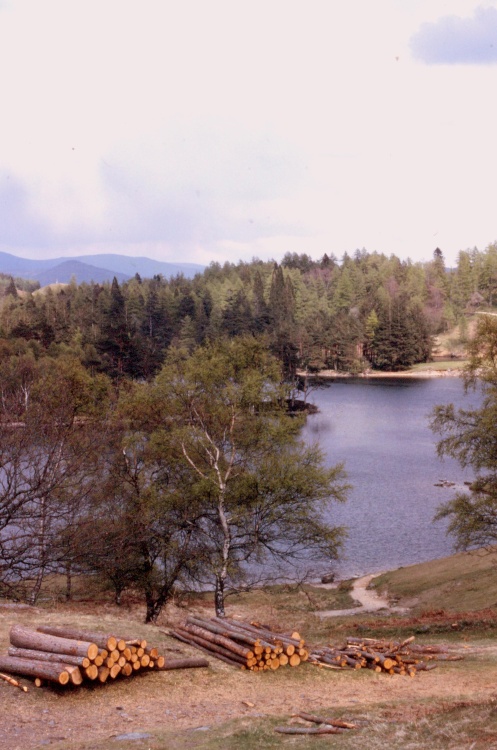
241 644
70 656
392 657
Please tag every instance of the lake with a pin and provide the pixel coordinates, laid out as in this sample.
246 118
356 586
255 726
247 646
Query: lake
380 429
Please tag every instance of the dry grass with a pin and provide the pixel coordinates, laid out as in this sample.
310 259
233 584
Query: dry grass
458 583
221 707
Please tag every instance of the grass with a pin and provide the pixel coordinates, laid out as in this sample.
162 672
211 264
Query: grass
442 365
439 726
459 583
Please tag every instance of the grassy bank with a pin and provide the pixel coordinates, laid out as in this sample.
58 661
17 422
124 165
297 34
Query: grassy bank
458 583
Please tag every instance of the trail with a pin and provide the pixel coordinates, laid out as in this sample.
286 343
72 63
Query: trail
368 599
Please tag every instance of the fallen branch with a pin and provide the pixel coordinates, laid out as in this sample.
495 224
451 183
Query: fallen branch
307 730
14 683
329 722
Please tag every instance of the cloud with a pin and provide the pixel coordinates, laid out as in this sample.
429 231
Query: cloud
453 40
19 225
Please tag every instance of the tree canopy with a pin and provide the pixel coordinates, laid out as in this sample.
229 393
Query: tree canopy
470 436
219 417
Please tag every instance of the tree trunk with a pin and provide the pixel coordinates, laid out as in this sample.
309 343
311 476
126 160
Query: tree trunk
68 582
26 638
219 597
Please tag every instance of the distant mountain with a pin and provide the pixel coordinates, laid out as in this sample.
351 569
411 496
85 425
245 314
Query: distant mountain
97 268
146 267
68 269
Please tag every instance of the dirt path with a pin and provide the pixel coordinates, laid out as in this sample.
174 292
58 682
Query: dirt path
368 599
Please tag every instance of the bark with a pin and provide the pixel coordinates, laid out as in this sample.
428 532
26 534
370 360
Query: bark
26 653
308 730
45 670
108 642
183 664
221 640
220 630
219 597
191 640
329 722
26 638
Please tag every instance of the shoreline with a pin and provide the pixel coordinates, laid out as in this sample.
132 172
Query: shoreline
379 374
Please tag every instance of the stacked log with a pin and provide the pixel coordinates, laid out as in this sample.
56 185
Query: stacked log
392 657
241 644
71 656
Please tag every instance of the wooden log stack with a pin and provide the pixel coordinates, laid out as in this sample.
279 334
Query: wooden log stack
241 644
70 656
392 657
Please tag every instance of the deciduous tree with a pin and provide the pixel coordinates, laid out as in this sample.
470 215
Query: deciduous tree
221 416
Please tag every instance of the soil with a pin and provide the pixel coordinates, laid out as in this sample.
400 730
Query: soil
192 699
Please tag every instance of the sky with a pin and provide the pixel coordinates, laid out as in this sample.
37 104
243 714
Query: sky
227 130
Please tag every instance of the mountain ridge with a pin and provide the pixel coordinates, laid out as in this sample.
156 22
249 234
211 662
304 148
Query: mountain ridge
98 268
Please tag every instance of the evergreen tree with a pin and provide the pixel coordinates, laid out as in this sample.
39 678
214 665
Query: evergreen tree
116 344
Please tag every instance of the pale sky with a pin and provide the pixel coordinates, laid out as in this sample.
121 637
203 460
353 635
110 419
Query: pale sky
213 130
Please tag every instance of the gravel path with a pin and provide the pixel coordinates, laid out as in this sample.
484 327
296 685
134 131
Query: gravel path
368 600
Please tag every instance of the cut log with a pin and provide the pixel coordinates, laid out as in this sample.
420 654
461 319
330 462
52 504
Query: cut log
74 674
214 627
214 648
26 653
91 672
186 638
26 638
102 640
103 673
42 669
127 670
261 632
220 640
183 664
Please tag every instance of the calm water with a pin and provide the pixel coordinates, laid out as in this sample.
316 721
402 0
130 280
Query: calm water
380 429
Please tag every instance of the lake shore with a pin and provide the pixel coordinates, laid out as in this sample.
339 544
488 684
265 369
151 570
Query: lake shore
431 372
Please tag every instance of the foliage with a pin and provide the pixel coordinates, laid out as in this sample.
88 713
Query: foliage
49 449
369 310
470 436
219 414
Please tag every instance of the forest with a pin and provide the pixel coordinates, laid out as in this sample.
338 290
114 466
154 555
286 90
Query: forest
366 311
147 439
